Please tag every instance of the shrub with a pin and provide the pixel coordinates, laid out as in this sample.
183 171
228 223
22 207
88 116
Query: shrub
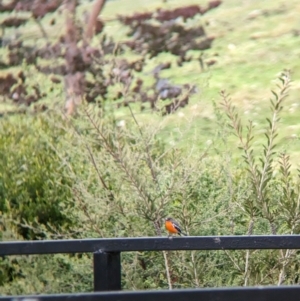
122 181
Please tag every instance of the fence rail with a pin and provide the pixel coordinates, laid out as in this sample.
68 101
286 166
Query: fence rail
107 265
150 244
285 293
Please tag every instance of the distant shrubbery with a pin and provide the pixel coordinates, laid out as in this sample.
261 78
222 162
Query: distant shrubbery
34 184
90 177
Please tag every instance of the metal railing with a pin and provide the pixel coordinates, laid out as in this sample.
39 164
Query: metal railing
107 265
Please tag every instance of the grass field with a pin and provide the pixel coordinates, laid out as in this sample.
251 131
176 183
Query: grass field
254 42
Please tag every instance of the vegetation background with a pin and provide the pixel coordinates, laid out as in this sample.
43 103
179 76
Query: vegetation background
222 165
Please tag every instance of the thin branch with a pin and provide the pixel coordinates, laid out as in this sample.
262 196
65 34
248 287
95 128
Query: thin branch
97 8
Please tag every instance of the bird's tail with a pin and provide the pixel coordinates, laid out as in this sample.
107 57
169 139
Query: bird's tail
182 233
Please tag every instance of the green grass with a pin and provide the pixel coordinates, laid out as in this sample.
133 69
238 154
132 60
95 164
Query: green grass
254 42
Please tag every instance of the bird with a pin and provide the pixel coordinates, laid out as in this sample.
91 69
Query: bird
173 227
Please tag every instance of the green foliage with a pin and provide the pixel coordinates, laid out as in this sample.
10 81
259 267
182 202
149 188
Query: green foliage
273 196
45 274
90 177
32 180
33 190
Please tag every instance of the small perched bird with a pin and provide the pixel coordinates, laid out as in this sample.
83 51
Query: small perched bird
173 227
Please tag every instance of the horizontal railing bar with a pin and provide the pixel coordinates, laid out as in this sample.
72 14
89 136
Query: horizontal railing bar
268 293
150 244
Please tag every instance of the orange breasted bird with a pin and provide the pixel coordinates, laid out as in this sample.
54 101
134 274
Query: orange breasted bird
173 227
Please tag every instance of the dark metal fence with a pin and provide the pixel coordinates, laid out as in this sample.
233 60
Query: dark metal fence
107 265
272 293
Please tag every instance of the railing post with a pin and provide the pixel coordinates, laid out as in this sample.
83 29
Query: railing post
107 271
